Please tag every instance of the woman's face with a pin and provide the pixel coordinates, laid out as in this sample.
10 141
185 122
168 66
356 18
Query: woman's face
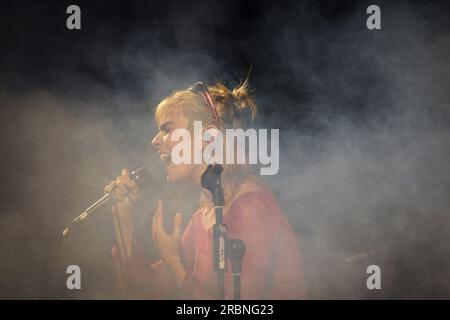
173 119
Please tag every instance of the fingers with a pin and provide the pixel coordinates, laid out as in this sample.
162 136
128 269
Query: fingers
119 190
109 188
125 175
177 222
130 185
123 187
167 245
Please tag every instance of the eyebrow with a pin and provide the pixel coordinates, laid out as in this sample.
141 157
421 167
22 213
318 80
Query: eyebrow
163 126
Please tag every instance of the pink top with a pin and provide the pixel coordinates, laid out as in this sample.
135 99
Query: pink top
271 267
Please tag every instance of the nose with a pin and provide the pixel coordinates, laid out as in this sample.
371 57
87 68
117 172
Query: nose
157 141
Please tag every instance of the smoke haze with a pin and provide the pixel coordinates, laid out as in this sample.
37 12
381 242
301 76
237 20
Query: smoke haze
364 123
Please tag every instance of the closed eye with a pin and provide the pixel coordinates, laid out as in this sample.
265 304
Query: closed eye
165 127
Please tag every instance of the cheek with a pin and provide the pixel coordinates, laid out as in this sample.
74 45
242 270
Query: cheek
192 147
167 141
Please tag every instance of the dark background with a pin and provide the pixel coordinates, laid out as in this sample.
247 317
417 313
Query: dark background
363 115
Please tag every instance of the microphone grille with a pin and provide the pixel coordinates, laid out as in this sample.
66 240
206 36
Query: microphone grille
141 175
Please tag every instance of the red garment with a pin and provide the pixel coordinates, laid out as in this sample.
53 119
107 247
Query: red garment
271 267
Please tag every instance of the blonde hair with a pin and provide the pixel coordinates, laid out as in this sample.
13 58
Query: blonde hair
236 109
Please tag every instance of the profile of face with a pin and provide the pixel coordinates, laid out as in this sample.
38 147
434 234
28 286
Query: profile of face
171 120
184 109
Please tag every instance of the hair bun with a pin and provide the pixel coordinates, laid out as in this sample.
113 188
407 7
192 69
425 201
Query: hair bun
236 108
245 103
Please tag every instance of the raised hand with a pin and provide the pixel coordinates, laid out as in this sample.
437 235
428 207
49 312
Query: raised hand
168 244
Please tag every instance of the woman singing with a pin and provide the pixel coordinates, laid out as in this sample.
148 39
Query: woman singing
271 267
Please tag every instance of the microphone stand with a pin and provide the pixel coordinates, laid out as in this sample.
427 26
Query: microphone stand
211 180
236 250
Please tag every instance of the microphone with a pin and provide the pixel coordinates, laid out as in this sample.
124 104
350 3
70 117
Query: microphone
140 175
